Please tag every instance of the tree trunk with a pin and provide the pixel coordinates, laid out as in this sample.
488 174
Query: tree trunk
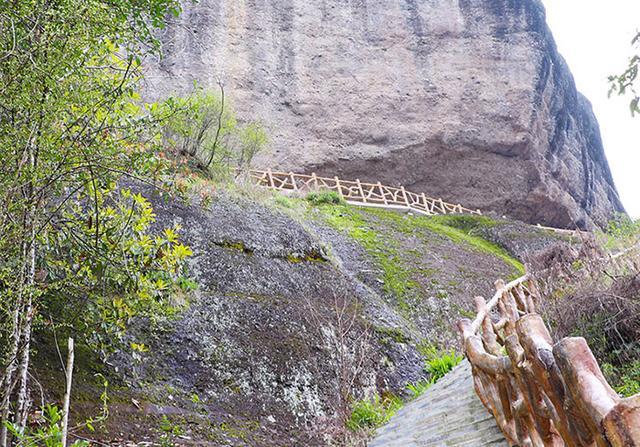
22 403
7 380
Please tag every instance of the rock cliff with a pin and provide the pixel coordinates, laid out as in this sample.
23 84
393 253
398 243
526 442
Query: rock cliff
464 99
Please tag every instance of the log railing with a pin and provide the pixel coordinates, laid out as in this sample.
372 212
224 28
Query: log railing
541 393
357 192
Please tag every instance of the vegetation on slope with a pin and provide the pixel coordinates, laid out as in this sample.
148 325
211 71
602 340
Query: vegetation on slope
587 295
378 230
370 413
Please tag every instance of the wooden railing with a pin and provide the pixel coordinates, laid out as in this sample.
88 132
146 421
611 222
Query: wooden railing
541 393
357 192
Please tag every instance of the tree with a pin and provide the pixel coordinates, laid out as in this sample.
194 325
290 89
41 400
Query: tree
626 82
204 127
70 127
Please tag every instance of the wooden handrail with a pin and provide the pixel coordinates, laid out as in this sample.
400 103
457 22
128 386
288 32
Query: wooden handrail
542 394
358 193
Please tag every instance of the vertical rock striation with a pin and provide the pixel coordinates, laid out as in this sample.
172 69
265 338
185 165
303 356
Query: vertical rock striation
464 99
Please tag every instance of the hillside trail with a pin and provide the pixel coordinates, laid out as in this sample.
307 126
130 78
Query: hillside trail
448 414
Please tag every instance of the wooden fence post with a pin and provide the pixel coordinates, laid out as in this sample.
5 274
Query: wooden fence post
270 179
404 195
315 181
339 187
591 395
364 199
294 186
622 424
382 194
424 201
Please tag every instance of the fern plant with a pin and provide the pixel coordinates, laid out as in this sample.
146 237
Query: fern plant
442 363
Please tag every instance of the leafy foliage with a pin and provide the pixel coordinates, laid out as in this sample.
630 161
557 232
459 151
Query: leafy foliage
419 388
621 232
625 378
71 126
130 273
47 434
626 82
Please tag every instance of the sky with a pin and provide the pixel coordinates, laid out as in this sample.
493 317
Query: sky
594 36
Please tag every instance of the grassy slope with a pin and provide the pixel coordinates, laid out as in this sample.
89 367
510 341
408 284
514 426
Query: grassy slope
397 277
429 267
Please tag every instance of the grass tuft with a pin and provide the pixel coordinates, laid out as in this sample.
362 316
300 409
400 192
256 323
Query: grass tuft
369 414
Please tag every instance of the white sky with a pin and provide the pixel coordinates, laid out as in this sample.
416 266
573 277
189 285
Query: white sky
594 36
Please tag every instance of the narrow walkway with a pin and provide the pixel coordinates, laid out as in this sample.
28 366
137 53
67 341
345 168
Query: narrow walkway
448 414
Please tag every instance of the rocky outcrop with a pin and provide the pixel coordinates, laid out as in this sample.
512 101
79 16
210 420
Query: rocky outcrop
464 99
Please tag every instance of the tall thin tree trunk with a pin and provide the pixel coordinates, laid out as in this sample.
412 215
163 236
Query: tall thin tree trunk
22 403
67 394
9 381
8 378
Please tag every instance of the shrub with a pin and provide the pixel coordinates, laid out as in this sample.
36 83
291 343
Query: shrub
622 230
372 413
325 197
585 294
204 127
47 434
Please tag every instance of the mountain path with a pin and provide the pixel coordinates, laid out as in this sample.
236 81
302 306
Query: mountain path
449 414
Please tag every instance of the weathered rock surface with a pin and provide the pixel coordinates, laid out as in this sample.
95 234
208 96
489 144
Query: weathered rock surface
259 355
464 99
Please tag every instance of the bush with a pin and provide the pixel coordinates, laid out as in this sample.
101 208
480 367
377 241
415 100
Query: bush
372 413
586 294
623 228
325 197
625 378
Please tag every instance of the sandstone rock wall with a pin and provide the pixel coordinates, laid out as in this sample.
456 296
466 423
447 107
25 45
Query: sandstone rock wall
464 99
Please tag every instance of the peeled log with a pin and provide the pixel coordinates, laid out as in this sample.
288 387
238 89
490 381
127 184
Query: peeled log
480 358
585 384
537 343
622 424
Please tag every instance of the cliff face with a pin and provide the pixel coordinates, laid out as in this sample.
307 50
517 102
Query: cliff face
464 99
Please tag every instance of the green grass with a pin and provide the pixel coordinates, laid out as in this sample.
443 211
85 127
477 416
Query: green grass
459 229
461 237
438 363
419 388
397 272
466 223
369 414
397 278
441 364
